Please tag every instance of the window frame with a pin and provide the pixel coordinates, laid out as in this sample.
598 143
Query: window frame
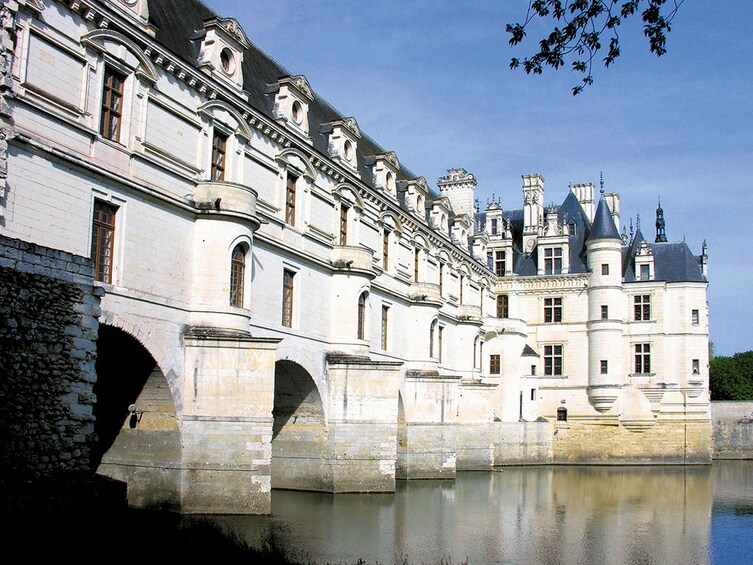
386 249
361 322
553 310
288 297
344 209
695 317
218 165
553 260
642 358
500 263
642 307
495 364
553 360
384 337
237 275
604 311
503 306
107 110
99 228
291 189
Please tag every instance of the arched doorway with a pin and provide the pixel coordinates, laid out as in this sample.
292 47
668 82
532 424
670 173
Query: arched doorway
299 432
137 430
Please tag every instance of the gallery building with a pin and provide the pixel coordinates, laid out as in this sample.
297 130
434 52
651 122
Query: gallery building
284 304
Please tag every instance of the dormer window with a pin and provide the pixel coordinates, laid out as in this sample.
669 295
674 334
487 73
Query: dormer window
292 97
384 172
222 46
343 141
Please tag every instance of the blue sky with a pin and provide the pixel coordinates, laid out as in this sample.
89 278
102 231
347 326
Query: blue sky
430 80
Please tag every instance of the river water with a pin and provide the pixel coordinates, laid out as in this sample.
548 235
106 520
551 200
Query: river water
585 515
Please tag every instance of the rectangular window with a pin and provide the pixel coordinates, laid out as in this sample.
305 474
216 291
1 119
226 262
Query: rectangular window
503 306
494 227
604 366
290 199
112 104
287 298
605 268
553 360
533 369
386 250
219 149
645 273
553 310
696 366
500 263
642 307
642 358
604 312
343 224
552 260
416 261
494 364
385 319
490 260
103 238
694 318
533 394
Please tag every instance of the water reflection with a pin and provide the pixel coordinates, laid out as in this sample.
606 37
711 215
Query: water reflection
548 515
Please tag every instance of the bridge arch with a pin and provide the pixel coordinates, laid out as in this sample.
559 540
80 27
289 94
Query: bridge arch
135 421
299 430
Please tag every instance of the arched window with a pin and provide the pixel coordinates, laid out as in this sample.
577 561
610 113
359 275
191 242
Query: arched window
362 315
237 275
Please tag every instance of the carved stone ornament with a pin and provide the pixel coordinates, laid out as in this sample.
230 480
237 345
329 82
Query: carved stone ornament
392 158
644 249
300 82
351 125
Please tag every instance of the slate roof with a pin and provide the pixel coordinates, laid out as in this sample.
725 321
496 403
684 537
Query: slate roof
673 262
177 21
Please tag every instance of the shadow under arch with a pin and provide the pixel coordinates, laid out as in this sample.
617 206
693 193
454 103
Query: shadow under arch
299 431
140 446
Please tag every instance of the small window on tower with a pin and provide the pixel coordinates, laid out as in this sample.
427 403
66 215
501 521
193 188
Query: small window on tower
605 268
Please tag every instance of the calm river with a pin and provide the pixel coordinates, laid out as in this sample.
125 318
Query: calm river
526 515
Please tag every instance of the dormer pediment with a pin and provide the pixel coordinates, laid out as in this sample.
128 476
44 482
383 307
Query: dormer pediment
384 172
223 44
343 141
292 97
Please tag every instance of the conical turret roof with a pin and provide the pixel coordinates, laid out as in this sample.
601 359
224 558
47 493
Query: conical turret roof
603 225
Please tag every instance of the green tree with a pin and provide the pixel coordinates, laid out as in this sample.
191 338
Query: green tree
580 26
727 379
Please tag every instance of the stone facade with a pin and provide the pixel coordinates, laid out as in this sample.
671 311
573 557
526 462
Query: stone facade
285 305
733 429
48 331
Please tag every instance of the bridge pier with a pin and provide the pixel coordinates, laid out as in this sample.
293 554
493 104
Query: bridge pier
428 439
362 424
227 422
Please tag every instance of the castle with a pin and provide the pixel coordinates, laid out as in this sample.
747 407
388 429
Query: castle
284 304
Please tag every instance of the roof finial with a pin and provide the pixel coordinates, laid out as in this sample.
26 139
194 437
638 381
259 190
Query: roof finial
661 236
601 182
632 233
638 221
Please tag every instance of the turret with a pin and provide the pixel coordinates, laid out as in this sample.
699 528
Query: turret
459 188
606 307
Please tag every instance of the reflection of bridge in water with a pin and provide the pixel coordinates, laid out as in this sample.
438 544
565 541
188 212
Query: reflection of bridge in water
541 514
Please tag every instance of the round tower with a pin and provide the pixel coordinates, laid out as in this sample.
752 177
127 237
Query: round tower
605 310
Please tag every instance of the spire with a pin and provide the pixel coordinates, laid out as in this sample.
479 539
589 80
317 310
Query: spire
661 237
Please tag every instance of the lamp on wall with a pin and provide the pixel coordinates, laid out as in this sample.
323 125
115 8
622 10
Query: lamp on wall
135 417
